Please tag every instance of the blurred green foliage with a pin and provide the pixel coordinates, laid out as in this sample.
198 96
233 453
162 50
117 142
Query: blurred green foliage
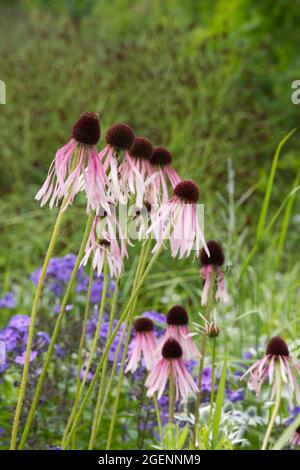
210 80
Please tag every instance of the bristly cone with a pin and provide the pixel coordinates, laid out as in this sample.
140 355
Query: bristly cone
277 347
216 254
177 316
171 349
143 325
120 136
161 156
188 191
86 129
141 149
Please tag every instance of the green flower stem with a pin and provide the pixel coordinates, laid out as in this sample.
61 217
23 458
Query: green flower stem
158 418
111 377
94 344
83 332
212 392
124 315
98 326
209 307
141 266
95 425
276 406
56 331
34 313
171 394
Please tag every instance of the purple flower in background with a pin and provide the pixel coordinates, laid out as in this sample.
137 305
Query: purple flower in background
68 308
3 368
96 291
10 337
235 395
8 301
156 317
293 414
59 351
20 322
89 376
43 340
206 380
21 358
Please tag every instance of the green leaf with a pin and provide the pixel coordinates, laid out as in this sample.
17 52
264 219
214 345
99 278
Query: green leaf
218 408
280 443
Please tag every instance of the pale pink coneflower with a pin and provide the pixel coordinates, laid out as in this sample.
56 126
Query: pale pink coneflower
277 353
177 320
144 344
119 139
106 242
161 162
76 166
178 221
212 266
295 437
171 363
135 170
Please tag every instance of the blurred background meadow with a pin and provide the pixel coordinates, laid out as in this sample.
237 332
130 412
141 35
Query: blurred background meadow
211 81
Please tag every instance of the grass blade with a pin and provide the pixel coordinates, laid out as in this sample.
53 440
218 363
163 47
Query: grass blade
280 443
264 210
219 405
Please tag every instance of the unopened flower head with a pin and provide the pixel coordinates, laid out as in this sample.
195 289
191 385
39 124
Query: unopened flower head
144 344
178 221
177 320
76 166
210 327
277 353
161 162
211 266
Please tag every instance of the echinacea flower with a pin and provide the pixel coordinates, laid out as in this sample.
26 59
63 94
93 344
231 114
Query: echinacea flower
144 344
135 170
76 166
161 162
177 320
103 244
119 138
171 363
178 220
277 353
295 437
210 328
212 266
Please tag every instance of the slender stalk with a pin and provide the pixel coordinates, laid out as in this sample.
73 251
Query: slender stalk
83 332
55 333
124 315
209 306
276 406
171 394
112 374
141 265
95 425
212 392
98 326
95 340
158 418
34 313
